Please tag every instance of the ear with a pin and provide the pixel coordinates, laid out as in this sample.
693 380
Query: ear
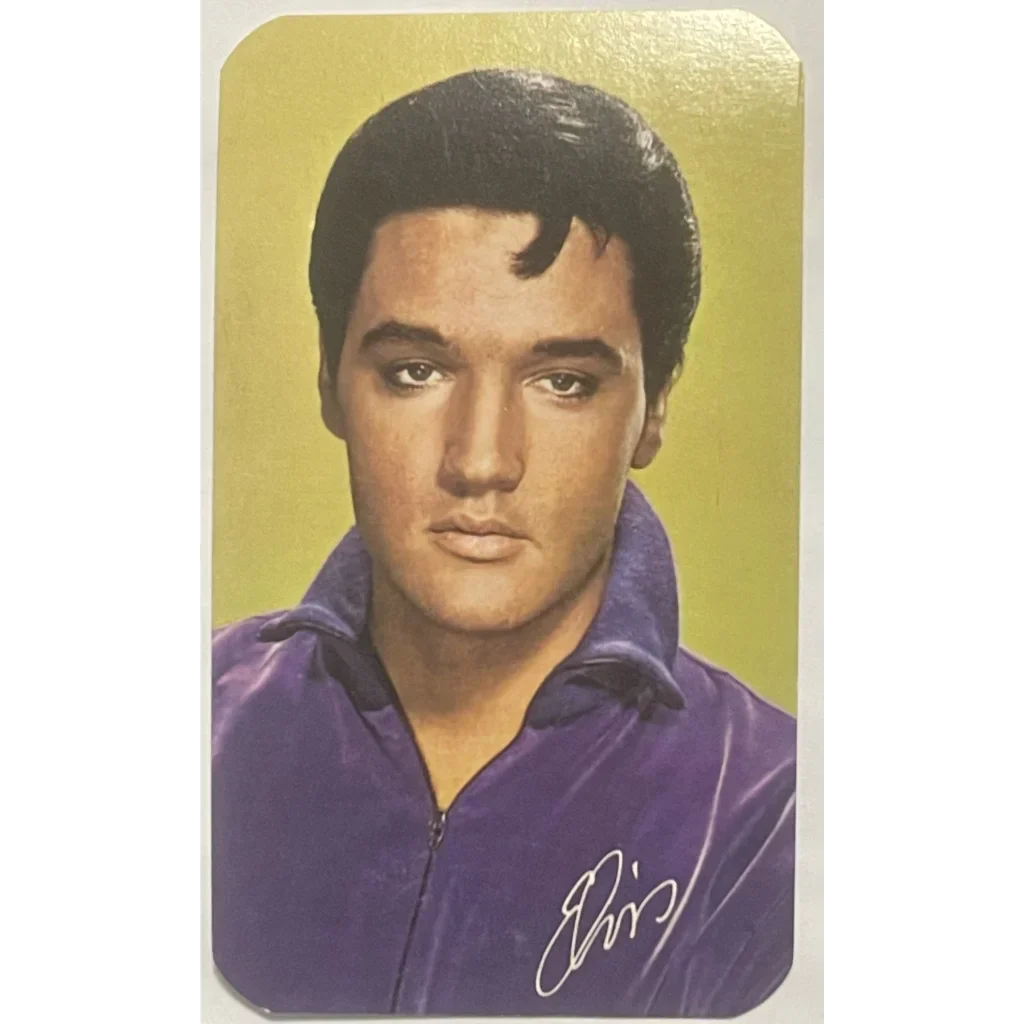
331 411
651 436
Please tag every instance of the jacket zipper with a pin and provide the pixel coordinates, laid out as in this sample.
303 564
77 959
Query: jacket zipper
439 818
435 834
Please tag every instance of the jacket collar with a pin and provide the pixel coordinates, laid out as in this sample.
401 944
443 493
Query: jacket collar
629 648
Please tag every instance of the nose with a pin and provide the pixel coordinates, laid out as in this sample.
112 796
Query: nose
484 444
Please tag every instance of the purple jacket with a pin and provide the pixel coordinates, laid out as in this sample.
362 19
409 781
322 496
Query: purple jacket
631 852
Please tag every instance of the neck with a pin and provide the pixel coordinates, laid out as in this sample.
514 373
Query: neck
448 677
465 695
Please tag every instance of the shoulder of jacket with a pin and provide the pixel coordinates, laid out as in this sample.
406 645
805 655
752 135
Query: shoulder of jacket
238 642
707 683
757 739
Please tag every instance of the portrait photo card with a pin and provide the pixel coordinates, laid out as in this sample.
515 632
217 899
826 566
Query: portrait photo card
505 678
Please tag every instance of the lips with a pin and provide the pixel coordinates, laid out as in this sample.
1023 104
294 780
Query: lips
477 540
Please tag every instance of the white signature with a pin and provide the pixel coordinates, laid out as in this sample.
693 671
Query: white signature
610 923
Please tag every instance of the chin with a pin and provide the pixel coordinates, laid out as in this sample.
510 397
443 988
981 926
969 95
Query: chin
492 616
482 605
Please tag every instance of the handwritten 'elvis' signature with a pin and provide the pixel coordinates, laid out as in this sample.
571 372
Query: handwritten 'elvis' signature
568 947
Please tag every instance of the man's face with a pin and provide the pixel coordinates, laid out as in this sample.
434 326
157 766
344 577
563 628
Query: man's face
490 421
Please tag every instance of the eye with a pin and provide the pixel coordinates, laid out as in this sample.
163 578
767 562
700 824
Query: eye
568 385
412 376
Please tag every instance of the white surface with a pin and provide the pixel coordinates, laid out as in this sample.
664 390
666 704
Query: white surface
99 524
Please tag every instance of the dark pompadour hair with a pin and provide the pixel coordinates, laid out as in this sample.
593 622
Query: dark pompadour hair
520 142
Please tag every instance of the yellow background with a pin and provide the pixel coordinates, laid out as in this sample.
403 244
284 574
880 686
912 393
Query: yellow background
725 92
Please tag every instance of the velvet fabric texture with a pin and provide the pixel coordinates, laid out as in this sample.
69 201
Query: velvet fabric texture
630 853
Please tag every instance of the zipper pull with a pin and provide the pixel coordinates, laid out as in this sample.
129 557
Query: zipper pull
437 824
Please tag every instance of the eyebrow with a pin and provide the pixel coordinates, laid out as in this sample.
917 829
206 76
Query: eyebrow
580 348
556 348
395 330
